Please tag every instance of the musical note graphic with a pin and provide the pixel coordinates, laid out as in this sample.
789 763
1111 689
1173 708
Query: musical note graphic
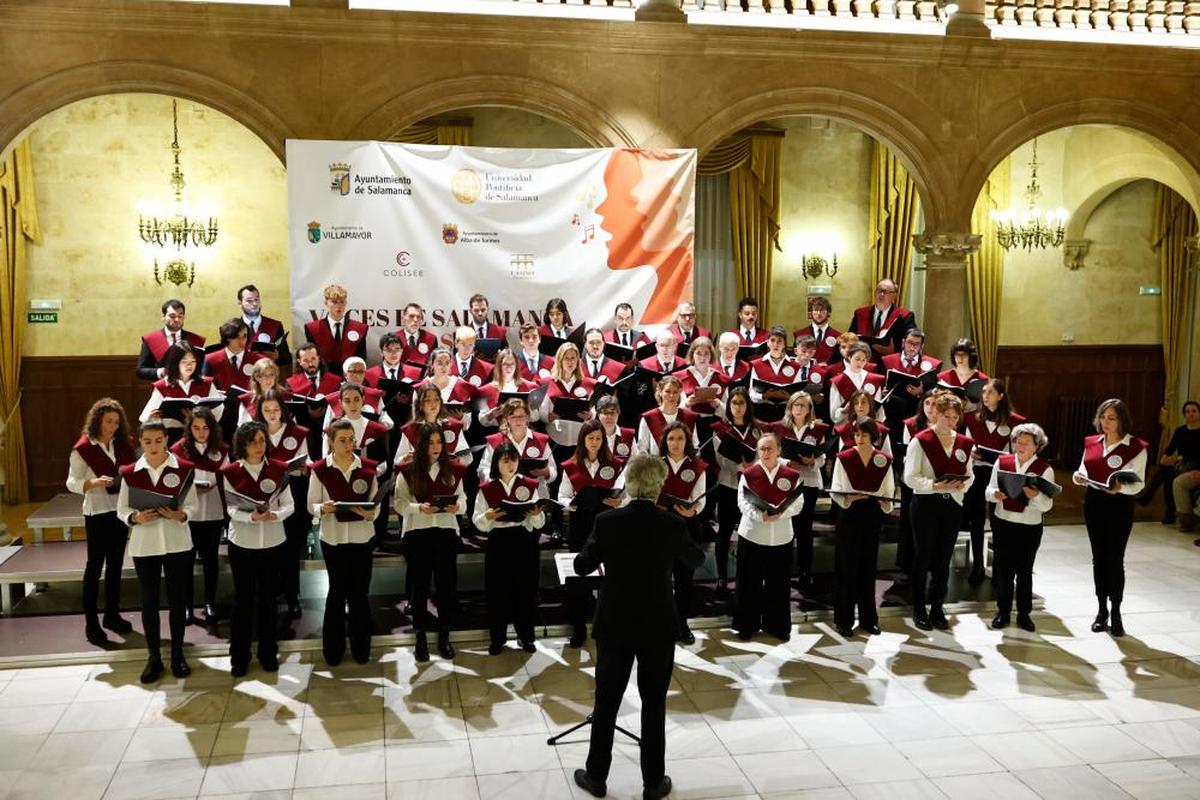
589 233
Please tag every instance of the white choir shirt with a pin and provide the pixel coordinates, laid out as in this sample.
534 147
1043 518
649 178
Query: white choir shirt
838 405
646 443
266 534
756 394
458 450
1038 505
752 527
919 475
384 419
698 488
156 399
334 531
535 358
485 463
809 475
841 483
729 471
566 490
562 431
1138 465
728 369
159 536
208 504
530 523
96 500
409 509
614 438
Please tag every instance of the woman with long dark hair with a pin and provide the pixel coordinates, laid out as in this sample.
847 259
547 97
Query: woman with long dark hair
734 440
991 427
202 446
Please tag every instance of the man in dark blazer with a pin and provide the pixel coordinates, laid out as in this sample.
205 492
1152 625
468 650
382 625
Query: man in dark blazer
635 619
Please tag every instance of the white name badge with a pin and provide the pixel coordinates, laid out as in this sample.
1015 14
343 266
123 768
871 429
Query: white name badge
353 336
814 377
532 451
248 367
580 391
1004 430
422 348
264 337
880 460
960 455
830 341
543 373
607 473
926 366
622 449
1115 461
360 486
474 380
289 443
869 388
784 484
448 435
522 493
194 398
267 485
809 440
214 456
170 480
687 476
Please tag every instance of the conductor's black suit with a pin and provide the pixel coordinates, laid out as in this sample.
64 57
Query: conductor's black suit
635 619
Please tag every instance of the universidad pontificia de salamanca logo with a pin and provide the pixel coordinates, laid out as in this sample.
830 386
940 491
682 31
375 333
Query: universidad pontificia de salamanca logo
336 232
343 181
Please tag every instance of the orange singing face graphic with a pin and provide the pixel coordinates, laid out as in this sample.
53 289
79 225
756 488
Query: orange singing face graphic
641 213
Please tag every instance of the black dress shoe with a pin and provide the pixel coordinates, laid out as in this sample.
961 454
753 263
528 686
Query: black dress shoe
528 647
1000 621
445 649
269 663
656 792
686 636
239 670
1025 623
95 634
362 658
937 618
117 624
871 630
179 666
589 784
1100 623
976 577
294 609
421 650
1117 628
210 614
495 648
153 669
577 639
845 631
922 622
189 617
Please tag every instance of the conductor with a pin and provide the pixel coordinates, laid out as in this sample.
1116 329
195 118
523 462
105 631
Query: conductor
635 619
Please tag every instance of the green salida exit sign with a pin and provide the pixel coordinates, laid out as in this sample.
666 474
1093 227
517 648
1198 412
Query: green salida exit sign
33 317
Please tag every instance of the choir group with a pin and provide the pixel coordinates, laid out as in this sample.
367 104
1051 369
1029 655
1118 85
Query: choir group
509 438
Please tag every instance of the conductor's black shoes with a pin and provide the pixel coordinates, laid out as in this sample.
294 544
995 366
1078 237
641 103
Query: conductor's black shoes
589 784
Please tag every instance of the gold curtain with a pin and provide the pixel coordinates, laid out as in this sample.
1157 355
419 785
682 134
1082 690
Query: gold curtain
1173 224
894 209
18 227
985 269
437 132
752 159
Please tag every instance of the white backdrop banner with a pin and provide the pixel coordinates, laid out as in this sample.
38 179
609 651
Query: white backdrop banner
433 224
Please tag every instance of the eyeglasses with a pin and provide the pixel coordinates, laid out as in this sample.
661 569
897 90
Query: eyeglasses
885 291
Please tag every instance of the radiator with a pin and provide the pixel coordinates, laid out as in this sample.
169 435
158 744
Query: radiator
1072 421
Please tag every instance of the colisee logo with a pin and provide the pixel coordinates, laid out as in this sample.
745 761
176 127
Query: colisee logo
339 178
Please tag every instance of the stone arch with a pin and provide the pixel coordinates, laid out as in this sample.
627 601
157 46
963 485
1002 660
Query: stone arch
910 143
1177 142
26 106
593 124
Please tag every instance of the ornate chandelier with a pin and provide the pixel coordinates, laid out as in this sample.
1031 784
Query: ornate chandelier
1032 227
178 230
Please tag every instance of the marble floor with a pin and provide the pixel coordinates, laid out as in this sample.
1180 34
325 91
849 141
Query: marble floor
972 713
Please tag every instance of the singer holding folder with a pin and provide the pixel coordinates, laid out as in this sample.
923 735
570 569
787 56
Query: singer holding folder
768 496
1017 523
155 501
342 491
258 501
1114 470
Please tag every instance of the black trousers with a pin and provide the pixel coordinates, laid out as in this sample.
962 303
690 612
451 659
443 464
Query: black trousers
935 530
763 588
206 538
1016 546
802 533
904 544
579 592
255 589
432 556
975 511
614 662
685 577
1109 520
729 516
106 537
511 571
855 553
176 568
295 549
349 567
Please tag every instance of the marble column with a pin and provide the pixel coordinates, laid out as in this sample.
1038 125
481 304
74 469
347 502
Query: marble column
947 316
968 20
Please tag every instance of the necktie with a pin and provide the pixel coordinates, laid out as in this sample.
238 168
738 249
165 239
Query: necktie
412 341
625 339
878 320
253 325
595 368
532 365
463 371
315 384
746 334
482 332
729 370
174 338
337 333
392 374
234 362
803 373
665 368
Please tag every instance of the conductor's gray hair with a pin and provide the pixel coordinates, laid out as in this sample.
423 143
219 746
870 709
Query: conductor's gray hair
644 476
1032 429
